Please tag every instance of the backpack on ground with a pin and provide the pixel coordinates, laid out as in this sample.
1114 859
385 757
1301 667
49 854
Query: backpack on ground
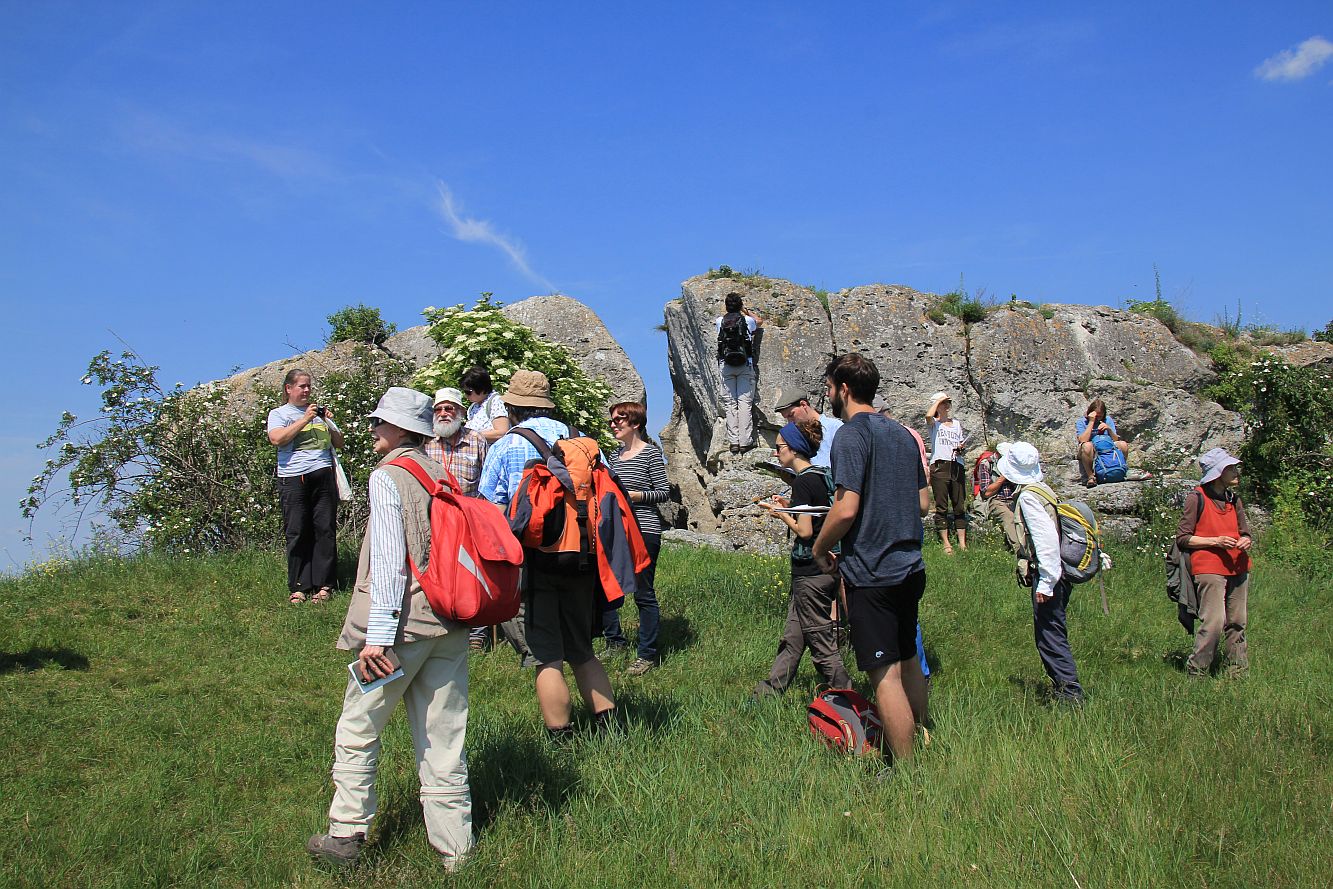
845 721
472 575
1080 538
734 344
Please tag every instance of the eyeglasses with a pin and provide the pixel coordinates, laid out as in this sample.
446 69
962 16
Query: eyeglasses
777 448
446 407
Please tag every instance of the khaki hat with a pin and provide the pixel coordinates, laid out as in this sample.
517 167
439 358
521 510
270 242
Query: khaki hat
449 394
528 388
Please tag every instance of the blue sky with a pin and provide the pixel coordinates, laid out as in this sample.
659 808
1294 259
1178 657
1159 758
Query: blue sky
209 181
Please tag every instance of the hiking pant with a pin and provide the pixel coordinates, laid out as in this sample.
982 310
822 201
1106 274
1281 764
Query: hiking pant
1048 622
808 626
309 514
1223 603
434 688
946 482
646 601
997 510
738 401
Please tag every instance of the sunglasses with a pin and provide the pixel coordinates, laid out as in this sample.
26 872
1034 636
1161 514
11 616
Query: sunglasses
375 422
616 421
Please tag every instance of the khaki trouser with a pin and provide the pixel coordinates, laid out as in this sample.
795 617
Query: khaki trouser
996 509
434 688
738 399
1223 603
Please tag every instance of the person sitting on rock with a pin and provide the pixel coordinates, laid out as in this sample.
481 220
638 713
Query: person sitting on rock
948 472
1103 456
736 334
795 408
995 493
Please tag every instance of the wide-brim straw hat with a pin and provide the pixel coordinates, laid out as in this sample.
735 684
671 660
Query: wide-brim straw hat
407 409
1021 463
528 388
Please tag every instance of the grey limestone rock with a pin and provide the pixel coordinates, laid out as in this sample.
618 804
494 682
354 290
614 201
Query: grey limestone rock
569 322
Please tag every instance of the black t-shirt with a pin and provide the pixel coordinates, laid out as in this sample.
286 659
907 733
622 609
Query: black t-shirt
808 488
877 458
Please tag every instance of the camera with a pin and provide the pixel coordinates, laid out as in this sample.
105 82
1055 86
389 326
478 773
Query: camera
319 412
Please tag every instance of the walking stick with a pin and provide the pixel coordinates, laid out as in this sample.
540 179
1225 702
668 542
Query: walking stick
1101 581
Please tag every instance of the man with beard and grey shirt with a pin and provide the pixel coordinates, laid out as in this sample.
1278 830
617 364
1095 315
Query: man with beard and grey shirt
880 496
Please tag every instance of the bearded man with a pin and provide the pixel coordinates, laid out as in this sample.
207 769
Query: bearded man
459 449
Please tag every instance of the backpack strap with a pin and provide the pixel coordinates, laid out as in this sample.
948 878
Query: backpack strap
532 438
431 485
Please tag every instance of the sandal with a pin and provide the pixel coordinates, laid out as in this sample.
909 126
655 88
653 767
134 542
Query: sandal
323 595
1091 483
297 598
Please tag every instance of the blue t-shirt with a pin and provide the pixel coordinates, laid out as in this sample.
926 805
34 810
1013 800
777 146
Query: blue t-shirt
1100 440
877 458
311 449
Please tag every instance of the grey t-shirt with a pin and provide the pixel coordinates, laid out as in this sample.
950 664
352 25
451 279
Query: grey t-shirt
311 449
877 459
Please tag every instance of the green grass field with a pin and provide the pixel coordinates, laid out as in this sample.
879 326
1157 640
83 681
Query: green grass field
169 722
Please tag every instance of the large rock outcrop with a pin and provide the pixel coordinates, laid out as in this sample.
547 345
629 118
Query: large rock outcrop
558 319
1020 372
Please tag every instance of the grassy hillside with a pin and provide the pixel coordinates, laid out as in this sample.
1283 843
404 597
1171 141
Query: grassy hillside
169 721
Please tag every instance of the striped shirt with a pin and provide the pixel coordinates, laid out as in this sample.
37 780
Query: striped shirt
646 472
388 559
463 458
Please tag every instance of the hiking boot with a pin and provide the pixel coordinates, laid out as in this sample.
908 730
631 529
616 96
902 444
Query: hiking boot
476 643
336 851
608 723
640 666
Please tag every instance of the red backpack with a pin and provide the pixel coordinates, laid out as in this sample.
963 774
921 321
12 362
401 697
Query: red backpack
845 721
472 576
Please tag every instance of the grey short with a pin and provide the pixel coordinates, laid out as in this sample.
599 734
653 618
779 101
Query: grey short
561 614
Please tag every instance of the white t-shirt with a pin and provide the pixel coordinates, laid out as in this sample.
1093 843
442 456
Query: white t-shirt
946 439
481 417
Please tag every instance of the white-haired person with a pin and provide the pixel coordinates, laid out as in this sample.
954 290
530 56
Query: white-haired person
1042 569
1216 532
389 621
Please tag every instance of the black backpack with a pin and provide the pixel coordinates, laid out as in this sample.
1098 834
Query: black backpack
734 346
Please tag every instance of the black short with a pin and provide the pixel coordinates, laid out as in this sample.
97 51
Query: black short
560 614
883 620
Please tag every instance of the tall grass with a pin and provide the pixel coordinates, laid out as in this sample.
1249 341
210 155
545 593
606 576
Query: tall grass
169 722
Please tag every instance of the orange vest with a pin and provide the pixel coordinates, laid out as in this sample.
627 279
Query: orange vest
1214 522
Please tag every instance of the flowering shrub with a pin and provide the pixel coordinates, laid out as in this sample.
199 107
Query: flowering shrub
1288 412
483 336
177 469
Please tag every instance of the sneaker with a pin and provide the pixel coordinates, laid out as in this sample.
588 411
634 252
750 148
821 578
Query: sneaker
336 851
640 666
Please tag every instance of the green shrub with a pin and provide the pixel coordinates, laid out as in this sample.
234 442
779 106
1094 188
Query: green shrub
960 305
176 469
359 324
1263 335
483 336
936 314
1325 335
1046 311
1160 309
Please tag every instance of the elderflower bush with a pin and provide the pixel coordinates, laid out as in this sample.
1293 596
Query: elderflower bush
483 336
176 469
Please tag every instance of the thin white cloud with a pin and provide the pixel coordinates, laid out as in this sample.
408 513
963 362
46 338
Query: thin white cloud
1297 64
481 231
150 132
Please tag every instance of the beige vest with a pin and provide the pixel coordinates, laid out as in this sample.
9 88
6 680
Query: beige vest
417 621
